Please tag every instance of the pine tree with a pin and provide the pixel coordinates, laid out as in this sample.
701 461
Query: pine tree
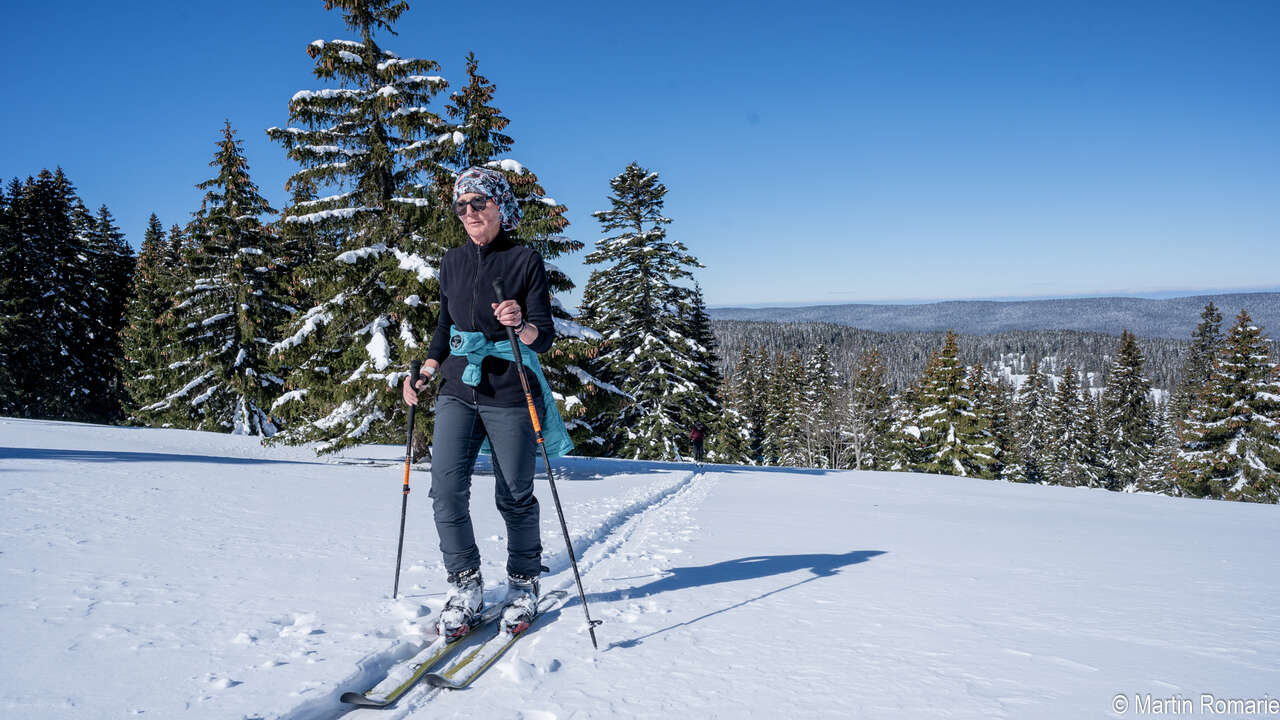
1008 466
1197 371
1033 425
784 419
749 379
1094 462
729 435
220 378
954 439
113 265
868 415
630 300
1066 425
375 140
704 373
1232 449
1127 421
15 323
1158 475
52 296
142 340
821 412
906 446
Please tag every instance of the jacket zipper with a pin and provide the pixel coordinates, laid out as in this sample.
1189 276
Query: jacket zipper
475 300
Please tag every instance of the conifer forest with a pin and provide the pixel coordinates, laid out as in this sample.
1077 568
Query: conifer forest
297 324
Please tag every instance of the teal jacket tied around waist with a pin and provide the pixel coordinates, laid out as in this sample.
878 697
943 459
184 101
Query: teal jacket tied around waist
475 347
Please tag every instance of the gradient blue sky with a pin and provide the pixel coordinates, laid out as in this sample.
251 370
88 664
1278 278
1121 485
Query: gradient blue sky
815 152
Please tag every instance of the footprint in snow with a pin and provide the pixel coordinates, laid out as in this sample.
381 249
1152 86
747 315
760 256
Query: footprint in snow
220 682
302 624
535 715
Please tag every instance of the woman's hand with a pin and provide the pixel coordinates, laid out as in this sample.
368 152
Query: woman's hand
508 313
410 391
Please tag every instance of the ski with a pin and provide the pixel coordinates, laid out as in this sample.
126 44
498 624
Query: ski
423 662
481 658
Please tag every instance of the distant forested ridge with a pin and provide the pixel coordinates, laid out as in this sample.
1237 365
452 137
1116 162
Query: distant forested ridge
1170 318
906 353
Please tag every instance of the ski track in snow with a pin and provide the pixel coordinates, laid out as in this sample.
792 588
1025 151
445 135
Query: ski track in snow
612 523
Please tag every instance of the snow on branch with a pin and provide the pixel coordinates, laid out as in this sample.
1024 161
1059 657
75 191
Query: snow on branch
315 317
588 379
508 165
326 94
416 264
315 217
568 328
351 257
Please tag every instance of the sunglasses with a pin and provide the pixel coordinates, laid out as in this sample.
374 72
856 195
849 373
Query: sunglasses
477 203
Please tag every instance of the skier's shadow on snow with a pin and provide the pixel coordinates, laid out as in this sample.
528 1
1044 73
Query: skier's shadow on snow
819 565
23 453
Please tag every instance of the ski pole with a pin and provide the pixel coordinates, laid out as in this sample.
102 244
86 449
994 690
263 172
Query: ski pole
415 368
542 445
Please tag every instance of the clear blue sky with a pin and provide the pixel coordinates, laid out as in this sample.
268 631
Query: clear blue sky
815 152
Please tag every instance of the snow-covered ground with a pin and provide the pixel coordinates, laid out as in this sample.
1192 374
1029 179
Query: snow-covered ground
179 574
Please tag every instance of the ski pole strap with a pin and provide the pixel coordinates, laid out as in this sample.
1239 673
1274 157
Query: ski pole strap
475 347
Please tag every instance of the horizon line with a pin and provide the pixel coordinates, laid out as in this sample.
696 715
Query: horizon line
1128 295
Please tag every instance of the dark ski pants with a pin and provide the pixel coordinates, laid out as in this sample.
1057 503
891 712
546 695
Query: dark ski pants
460 429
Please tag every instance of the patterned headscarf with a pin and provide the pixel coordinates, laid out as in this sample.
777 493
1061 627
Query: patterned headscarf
492 184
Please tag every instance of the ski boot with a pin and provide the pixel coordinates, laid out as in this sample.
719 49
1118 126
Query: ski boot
463 604
521 604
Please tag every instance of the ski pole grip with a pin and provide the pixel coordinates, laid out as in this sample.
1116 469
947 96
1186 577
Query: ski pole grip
499 290
415 370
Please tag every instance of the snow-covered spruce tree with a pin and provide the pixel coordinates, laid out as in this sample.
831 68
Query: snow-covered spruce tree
743 398
15 321
1128 426
982 389
955 439
1158 475
729 434
69 272
1197 371
379 150
785 399
695 324
776 395
48 304
820 411
868 415
220 378
906 450
1094 463
645 352
308 248
143 340
1066 442
1033 431
1008 466
1231 449
112 262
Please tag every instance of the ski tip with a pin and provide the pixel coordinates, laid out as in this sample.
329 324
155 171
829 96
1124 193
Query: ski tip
355 698
440 681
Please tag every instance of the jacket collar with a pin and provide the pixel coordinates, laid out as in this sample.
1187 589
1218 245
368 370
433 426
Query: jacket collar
499 243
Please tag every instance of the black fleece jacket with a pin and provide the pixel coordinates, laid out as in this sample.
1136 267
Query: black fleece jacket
466 296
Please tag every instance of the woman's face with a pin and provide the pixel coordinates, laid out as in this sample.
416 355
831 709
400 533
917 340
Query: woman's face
481 225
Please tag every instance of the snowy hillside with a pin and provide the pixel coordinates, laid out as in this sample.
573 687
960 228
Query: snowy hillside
175 574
